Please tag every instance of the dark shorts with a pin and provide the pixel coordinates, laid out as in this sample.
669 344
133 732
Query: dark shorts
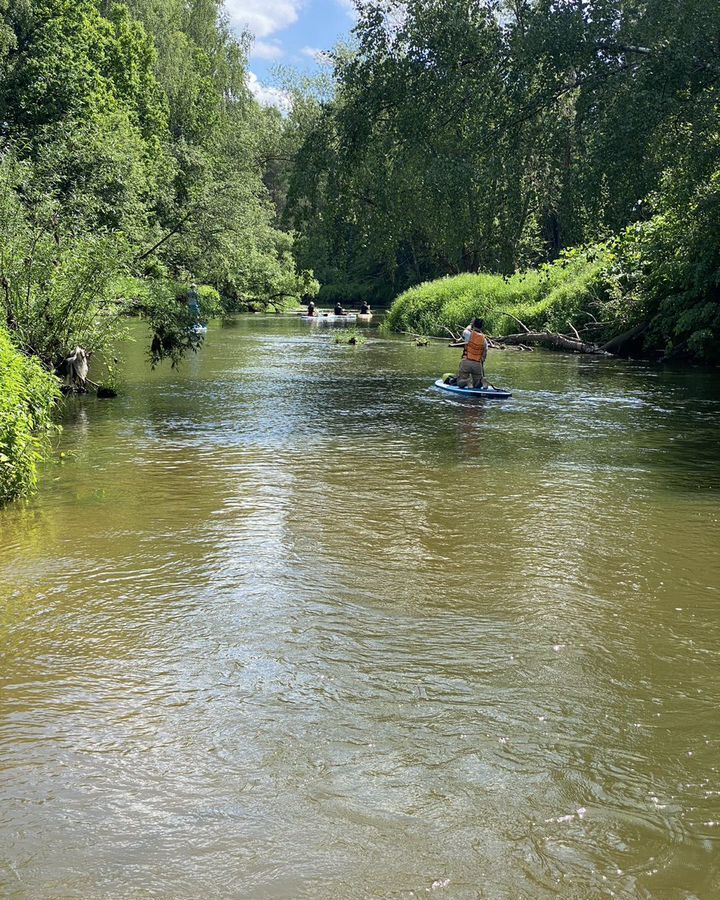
470 374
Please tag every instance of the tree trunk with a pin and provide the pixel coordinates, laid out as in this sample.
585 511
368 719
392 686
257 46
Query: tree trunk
552 341
618 344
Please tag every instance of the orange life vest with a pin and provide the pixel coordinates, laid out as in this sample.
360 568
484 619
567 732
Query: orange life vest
475 347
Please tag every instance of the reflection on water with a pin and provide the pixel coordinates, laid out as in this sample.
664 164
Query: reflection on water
287 623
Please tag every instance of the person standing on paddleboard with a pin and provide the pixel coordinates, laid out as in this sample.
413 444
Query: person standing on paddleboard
193 302
475 347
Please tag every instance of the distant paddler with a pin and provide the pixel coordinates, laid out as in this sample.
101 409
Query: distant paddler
475 347
193 302
311 311
365 311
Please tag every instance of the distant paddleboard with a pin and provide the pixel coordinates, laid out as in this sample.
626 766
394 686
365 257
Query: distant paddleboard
485 393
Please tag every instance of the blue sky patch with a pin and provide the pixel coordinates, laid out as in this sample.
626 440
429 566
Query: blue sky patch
288 33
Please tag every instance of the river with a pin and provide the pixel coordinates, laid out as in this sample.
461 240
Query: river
288 623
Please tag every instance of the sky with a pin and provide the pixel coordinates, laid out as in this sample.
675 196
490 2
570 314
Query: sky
288 33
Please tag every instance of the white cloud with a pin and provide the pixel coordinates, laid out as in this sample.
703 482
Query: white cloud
349 7
263 17
268 96
321 57
266 50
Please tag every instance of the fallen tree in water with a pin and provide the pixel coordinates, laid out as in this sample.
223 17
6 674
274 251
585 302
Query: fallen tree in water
551 340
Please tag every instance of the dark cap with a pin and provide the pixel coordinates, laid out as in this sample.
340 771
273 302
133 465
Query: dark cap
478 324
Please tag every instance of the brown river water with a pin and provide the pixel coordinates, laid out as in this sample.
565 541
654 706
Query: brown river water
289 623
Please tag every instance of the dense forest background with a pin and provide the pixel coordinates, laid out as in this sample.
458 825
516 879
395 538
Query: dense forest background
475 135
559 158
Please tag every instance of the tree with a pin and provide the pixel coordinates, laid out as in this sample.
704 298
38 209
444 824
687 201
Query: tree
465 135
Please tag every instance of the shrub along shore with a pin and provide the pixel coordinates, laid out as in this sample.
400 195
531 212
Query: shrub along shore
549 298
28 394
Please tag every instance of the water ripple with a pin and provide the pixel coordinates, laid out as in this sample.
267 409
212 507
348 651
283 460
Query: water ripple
313 629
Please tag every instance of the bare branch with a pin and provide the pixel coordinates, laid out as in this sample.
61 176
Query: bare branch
574 330
521 324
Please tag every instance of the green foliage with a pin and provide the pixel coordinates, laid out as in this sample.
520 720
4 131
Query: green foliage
163 304
60 291
54 288
669 267
210 301
545 298
262 280
219 220
100 175
130 146
27 396
472 135
78 96
171 323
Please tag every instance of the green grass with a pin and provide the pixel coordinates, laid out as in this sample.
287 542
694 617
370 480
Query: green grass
549 297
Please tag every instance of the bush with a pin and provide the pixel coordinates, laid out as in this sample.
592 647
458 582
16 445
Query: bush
62 290
210 301
27 396
545 298
265 275
163 305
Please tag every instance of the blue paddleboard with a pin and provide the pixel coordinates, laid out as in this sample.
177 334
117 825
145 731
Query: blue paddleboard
487 393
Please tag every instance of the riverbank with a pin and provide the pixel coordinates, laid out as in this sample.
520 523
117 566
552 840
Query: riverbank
591 294
570 291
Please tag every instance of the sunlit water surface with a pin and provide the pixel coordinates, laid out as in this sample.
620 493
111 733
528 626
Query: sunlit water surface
288 623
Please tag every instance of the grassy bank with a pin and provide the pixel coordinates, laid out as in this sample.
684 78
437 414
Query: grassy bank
27 396
549 297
